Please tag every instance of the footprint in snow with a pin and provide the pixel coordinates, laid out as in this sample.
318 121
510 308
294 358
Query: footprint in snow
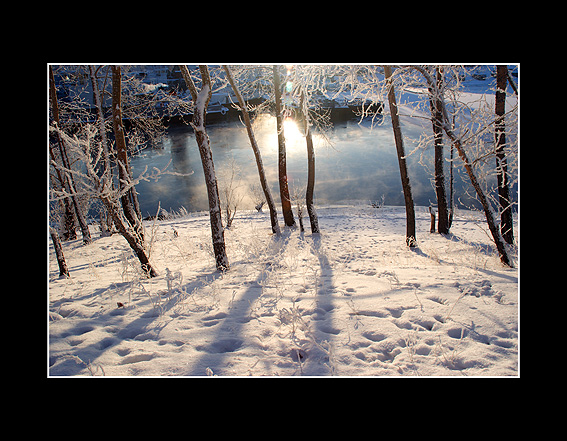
137 358
374 336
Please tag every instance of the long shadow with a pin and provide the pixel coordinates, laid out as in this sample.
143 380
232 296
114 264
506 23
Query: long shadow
135 330
228 336
324 330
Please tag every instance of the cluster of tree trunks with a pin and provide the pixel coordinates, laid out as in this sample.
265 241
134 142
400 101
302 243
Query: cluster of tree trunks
122 205
441 124
282 158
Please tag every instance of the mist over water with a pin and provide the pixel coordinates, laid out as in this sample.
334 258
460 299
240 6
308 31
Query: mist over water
354 163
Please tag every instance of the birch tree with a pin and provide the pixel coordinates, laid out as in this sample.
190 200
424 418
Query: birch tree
200 102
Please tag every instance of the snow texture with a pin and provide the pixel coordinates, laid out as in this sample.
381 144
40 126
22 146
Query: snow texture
352 301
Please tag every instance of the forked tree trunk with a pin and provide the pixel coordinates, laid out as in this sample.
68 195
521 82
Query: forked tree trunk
256 150
410 212
201 101
282 164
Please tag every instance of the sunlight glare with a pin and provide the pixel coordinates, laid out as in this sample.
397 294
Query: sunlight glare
293 135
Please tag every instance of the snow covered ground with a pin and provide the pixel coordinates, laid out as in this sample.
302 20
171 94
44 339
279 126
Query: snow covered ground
352 301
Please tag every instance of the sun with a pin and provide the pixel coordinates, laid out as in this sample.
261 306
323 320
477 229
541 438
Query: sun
267 135
293 136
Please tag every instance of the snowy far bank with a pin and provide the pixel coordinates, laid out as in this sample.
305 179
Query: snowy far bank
351 301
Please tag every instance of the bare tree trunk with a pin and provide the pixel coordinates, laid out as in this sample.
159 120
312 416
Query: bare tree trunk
310 167
133 231
436 119
129 199
506 221
67 177
63 271
201 101
451 183
282 165
257 155
410 212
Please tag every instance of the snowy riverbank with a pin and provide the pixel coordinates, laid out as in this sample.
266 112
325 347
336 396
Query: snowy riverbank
352 301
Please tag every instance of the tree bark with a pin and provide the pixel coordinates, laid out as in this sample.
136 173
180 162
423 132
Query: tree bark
310 167
506 221
129 199
256 150
282 165
133 231
63 271
410 212
201 101
436 119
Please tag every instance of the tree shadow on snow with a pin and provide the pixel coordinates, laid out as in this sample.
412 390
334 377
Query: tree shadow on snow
228 336
324 331
142 328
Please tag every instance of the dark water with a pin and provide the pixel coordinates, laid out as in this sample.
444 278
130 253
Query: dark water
355 163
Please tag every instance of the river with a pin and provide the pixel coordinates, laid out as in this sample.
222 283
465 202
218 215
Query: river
354 163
